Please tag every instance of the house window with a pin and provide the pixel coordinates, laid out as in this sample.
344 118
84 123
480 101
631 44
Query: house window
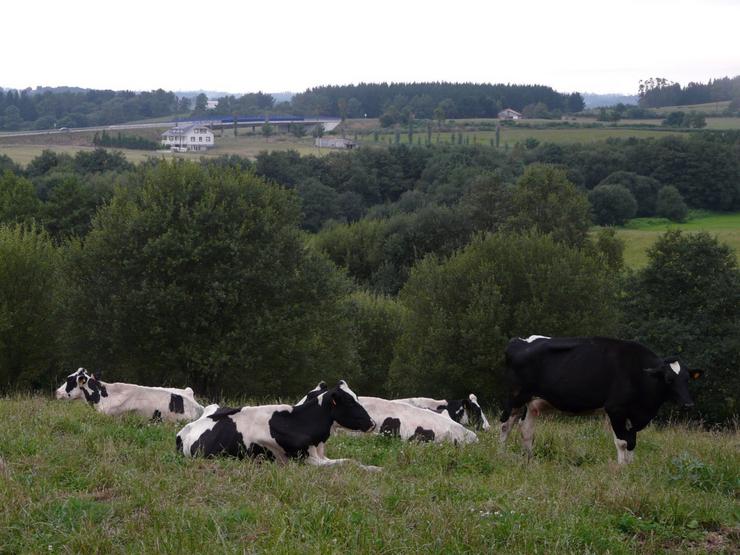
192 139
200 139
208 139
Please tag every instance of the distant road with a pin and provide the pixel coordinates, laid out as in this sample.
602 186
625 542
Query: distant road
329 124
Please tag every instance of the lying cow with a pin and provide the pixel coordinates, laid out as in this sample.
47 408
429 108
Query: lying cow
465 411
157 403
408 422
584 374
277 432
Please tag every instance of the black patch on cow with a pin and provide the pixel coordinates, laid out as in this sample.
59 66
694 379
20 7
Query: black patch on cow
420 434
96 389
176 404
456 409
222 439
391 427
178 444
222 412
255 451
157 417
71 383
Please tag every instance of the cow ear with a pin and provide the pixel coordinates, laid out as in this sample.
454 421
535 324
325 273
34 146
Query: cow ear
696 374
473 398
98 375
81 380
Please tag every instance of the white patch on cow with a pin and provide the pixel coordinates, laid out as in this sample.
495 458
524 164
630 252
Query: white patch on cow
676 367
532 338
344 387
410 418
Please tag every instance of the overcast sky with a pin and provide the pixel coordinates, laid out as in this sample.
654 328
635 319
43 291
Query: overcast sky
244 46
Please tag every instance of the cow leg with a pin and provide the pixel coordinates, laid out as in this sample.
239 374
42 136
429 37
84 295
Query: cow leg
509 425
515 403
527 428
316 457
625 439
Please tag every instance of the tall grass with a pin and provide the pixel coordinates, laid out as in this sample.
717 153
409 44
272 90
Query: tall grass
75 481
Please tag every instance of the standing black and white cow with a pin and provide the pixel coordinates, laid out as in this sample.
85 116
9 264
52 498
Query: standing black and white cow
465 411
157 403
277 432
583 374
408 422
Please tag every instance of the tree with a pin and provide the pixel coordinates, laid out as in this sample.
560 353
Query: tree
267 130
544 200
29 293
644 189
460 312
18 200
200 276
612 204
201 103
670 204
686 302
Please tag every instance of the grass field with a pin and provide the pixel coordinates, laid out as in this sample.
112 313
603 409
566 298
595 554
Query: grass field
639 234
74 481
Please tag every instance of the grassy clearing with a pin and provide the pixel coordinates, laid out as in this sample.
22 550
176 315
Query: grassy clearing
639 234
74 481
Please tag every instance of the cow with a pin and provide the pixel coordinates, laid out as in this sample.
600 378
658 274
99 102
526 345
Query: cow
583 374
157 403
465 411
410 423
276 432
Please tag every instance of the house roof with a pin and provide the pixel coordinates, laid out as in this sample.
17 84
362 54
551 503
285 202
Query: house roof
510 110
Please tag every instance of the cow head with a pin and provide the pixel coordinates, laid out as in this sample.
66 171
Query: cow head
476 418
82 384
315 392
346 409
676 376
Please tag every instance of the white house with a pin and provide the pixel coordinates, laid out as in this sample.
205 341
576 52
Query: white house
191 136
508 113
211 104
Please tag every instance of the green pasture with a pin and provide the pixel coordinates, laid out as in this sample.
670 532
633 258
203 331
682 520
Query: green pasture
707 108
639 234
75 481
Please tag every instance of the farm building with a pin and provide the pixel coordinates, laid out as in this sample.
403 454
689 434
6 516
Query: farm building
508 113
192 136
335 142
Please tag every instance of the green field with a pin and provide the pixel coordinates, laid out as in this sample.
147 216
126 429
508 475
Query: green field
639 234
75 481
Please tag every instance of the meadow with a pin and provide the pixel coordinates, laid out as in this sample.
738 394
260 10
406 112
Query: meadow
639 234
75 481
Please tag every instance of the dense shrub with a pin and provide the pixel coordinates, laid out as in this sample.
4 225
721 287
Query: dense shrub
201 277
461 312
644 189
612 204
545 201
670 204
29 290
686 302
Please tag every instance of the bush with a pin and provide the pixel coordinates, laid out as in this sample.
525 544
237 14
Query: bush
18 201
546 202
643 188
670 204
612 204
686 302
461 312
28 307
199 276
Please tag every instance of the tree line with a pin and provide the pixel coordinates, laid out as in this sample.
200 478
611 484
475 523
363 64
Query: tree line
49 108
656 92
175 273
